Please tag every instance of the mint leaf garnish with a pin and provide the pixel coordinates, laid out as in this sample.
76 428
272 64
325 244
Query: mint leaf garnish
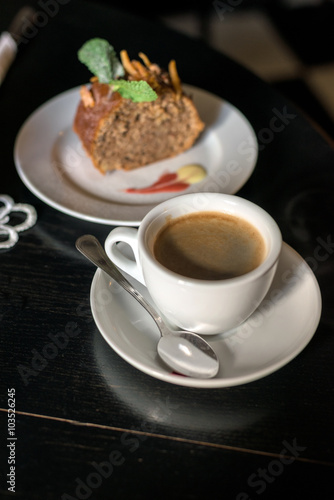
101 59
137 91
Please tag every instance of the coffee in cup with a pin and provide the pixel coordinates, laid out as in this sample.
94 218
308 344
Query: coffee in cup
235 245
209 246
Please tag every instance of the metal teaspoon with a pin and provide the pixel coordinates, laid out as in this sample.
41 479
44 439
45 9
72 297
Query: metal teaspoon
185 352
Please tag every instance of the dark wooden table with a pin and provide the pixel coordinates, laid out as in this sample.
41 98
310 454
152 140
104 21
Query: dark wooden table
88 425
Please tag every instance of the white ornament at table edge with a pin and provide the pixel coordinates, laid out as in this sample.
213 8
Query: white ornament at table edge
6 229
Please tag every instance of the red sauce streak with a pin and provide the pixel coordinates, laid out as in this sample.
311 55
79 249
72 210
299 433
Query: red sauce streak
167 183
178 374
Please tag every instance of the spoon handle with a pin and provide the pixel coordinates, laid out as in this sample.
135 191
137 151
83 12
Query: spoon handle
91 248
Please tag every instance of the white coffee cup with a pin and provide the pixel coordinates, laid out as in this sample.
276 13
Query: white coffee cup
202 306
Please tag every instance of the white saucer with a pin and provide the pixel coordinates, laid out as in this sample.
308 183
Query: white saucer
276 333
52 164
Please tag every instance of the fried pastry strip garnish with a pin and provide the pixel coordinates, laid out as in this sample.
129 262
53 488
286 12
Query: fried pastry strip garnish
174 76
127 64
86 97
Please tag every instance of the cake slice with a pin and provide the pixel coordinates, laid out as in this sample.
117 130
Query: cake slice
120 133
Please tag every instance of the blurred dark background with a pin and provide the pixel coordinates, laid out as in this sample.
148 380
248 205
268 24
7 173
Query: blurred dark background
288 43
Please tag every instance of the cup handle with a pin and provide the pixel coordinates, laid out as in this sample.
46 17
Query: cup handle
129 236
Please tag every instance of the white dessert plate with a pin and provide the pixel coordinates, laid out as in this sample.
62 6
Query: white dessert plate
51 162
275 334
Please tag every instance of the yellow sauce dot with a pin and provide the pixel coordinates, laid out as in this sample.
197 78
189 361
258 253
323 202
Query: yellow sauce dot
191 173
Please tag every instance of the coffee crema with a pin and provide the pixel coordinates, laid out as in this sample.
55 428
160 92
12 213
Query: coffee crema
209 246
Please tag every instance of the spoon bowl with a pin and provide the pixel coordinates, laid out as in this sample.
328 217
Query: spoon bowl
185 352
